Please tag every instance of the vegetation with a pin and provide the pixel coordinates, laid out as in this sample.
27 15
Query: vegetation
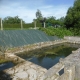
50 21
39 15
65 26
50 52
72 19
58 50
12 20
3 60
60 32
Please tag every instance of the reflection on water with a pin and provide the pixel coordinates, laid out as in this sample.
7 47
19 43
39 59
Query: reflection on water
6 65
49 56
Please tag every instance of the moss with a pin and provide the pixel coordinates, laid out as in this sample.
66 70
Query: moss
76 79
3 60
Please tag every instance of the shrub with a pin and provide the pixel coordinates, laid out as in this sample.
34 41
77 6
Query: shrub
60 32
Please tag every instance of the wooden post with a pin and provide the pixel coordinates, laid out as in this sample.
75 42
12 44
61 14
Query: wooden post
35 24
44 24
1 25
21 25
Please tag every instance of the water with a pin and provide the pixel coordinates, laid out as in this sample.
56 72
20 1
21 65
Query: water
6 65
49 56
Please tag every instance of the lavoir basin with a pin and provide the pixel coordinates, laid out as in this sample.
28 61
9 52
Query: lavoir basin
49 56
6 65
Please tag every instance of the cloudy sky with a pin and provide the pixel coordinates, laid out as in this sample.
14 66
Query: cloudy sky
26 9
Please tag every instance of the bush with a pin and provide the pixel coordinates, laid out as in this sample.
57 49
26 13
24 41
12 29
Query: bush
60 32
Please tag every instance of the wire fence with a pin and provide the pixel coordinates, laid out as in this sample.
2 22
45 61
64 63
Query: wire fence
18 26
8 26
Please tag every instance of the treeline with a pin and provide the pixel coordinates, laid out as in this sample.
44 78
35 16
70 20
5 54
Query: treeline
70 22
72 19
49 21
15 22
18 26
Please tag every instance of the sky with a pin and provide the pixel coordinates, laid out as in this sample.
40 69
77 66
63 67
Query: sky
26 9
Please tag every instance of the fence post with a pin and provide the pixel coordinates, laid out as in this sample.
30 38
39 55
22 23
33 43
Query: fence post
21 25
44 24
1 25
35 24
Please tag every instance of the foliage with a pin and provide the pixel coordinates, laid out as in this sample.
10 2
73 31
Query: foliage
40 19
61 21
12 20
52 21
60 32
75 31
72 19
2 59
38 15
8 26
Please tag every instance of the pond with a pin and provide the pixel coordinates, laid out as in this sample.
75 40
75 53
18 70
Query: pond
6 65
49 56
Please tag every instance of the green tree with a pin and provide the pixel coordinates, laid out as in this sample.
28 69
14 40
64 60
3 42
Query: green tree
52 21
61 22
72 19
39 15
12 20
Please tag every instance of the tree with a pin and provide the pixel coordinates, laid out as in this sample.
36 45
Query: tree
38 15
52 21
60 21
72 19
12 20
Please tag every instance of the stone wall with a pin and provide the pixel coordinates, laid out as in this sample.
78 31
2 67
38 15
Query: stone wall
53 72
69 73
35 46
72 39
29 71
70 65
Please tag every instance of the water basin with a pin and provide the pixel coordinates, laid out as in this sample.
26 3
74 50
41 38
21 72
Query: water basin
6 65
49 56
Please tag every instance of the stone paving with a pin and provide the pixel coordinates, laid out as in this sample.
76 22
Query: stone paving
26 71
